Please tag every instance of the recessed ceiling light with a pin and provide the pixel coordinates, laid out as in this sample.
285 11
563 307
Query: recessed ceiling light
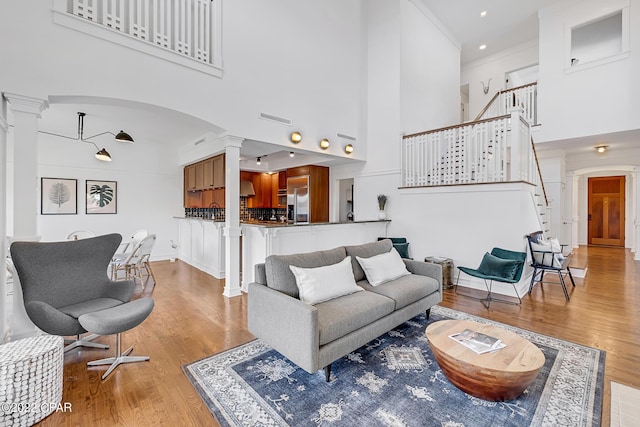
483 13
483 46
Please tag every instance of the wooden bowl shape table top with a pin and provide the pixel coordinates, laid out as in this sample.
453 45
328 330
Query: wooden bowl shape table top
498 375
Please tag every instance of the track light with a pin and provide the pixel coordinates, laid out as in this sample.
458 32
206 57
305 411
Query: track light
258 161
101 154
291 154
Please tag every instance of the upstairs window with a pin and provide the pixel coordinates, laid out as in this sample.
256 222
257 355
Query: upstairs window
600 40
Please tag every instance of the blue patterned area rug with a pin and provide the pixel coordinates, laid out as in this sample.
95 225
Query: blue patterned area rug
395 381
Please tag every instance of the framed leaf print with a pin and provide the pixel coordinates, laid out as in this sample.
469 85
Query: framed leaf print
58 196
102 197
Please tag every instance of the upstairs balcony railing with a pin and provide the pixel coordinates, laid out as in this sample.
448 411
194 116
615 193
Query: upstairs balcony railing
491 150
525 97
172 29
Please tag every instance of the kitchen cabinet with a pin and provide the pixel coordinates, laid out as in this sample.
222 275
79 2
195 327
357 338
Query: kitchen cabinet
208 170
199 171
282 180
190 178
219 171
262 187
204 183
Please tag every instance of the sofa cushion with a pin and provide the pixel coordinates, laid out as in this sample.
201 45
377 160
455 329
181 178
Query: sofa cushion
383 268
404 290
280 277
340 316
366 250
320 284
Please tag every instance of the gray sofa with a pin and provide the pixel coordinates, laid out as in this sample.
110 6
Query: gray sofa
313 336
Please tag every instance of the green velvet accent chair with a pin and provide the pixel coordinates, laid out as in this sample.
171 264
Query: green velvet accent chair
401 245
501 265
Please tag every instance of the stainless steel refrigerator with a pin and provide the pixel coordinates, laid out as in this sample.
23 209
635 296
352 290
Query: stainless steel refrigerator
298 199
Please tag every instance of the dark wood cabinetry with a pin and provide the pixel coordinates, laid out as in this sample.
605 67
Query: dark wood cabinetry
262 186
204 183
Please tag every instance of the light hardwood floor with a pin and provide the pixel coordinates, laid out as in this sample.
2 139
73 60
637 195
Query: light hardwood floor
192 320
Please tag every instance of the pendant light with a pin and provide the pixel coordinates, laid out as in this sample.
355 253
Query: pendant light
101 154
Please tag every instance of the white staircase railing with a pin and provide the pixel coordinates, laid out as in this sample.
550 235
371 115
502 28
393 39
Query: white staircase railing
189 28
525 97
490 150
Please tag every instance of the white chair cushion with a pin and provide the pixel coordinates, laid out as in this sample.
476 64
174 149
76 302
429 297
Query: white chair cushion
319 284
548 258
383 268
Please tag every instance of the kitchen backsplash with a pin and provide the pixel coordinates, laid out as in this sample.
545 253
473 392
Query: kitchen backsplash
246 214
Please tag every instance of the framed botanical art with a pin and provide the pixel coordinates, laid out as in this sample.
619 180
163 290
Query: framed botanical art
102 197
58 196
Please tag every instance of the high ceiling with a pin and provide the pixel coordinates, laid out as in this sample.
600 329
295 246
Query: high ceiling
507 23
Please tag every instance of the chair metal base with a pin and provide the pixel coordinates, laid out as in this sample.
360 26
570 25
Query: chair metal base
83 342
486 301
561 274
119 359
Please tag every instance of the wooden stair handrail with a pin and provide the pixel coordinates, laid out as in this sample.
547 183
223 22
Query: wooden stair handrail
535 155
475 122
498 93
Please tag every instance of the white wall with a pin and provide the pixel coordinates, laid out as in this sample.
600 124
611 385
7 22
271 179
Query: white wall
413 85
585 100
439 222
297 59
495 68
429 85
149 190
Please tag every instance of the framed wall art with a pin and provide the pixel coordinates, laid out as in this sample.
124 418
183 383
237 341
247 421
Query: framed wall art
58 196
102 197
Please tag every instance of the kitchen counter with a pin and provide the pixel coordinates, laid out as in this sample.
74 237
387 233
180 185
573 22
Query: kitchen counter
261 239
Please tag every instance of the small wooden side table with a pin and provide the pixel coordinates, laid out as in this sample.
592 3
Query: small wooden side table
498 376
447 269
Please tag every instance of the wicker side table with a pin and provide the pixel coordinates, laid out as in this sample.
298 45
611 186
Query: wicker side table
30 379
447 269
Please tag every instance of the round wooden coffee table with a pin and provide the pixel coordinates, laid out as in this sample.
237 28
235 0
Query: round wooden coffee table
499 375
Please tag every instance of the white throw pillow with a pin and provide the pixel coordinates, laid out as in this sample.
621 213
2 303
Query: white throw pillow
555 246
324 283
549 258
383 268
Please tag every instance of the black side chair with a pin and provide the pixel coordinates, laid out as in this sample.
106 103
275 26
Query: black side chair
501 265
401 245
548 260
67 291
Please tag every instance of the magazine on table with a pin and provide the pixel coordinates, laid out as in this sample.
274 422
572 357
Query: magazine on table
477 341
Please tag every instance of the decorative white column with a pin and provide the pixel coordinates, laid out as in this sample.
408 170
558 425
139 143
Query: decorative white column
575 206
516 143
4 129
26 112
232 229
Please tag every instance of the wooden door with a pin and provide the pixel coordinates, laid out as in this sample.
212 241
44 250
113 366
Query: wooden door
606 211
